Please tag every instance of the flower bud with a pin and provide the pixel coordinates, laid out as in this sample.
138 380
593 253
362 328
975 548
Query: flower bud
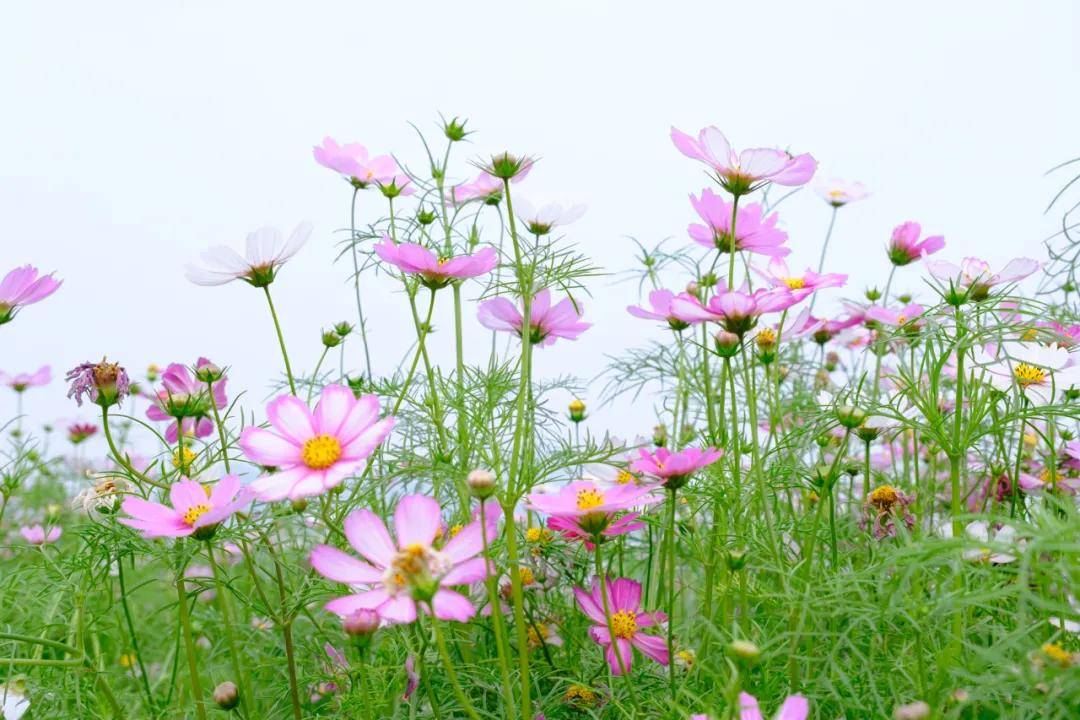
918 710
330 338
873 294
298 505
208 372
727 343
692 288
577 410
850 416
152 372
481 483
343 329
455 130
736 559
227 695
361 623
506 166
744 651
356 384
425 217
659 435
904 299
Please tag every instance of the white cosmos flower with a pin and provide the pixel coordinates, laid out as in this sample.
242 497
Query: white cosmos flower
996 543
544 218
1062 623
1039 371
13 702
266 251
839 192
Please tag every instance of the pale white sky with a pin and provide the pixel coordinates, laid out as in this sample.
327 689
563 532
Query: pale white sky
135 134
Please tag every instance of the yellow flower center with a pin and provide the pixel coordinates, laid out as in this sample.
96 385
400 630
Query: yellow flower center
625 477
184 463
901 319
795 283
195 512
526 575
455 529
766 337
589 498
580 695
624 624
1029 375
538 632
1058 654
443 260
321 451
535 534
884 497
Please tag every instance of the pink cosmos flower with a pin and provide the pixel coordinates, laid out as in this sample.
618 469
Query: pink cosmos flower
905 246
795 707
412 678
907 315
487 188
196 510
265 253
22 381
436 272
23 286
975 274
738 311
584 510
627 620
838 192
186 401
79 431
411 573
660 300
314 452
353 163
37 535
1064 335
777 274
673 469
740 173
547 322
753 232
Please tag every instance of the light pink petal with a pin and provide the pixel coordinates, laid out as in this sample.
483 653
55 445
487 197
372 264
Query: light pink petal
225 490
349 604
466 573
185 494
333 407
367 534
268 448
626 651
342 567
450 605
277 486
291 417
361 414
401 609
468 542
748 707
794 708
417 520
499 314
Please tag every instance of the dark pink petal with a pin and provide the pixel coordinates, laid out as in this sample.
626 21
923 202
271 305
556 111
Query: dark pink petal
654 647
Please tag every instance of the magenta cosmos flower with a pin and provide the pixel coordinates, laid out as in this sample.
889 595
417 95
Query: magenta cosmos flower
196 510
754 233
21 381
547 322
738 311
627 620
186 401
411 572
838 192
314 451
795 707
24 286
740 173
673 469
586 511
975 275
436 272
353 163
905 246
777 274
660 301
822 330
37 535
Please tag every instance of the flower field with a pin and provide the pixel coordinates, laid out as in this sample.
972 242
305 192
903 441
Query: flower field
843 500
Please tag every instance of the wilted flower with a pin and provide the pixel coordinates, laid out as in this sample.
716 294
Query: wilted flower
436 272
196 510
23 286
266 252
104 495
314 451
37 535
905 246
627 620
838 192
411 573
741 173
547 322
885 504
103 383
21 381
754 233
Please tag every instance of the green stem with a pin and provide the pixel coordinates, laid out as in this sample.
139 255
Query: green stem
281 339
356 283
671 591
121 460
448 665
220 428
189 646
134 637
501 648
225 608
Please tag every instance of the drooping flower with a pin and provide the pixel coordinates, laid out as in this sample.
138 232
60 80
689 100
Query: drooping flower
795 707
1042 373
78 432
186 401
37 535
21 381
905 246
410 573
754 232
436 272
741 173
542 219
907 316
884 505
196 510
627 622
673 469
973 274
660 301
103 383
23 286
314 451
547 322
839 192
586 511
486 188
777 274
737 310
265 253
353 162
103 495
821 330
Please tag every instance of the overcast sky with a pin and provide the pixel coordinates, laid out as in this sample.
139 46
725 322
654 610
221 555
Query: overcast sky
135 134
